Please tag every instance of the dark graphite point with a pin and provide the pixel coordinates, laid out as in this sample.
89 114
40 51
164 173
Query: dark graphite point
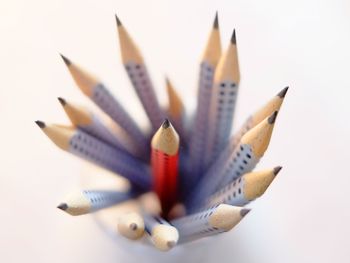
244 212
283 92
233 38
63 206
66 60
133 226
216 21
276 170
41 124
272 118
166 124
62 101
119 23
171 244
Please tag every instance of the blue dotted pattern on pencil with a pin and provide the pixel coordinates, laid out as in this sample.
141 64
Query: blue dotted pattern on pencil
112 108
196 225
140 80
221 119
198 140
92 149
103 199
231 194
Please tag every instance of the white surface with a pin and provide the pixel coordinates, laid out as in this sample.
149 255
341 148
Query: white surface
303 217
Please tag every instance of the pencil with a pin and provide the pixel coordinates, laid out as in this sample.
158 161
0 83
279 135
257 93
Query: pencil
271 106
164 162
176 110
223 102
131 226
208 64
244 189
85 146
243 159
162 234
95 90
89 201
87 121
265 111
139 77
218 219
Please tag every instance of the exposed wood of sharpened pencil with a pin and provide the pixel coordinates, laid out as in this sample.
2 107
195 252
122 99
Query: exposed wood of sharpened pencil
164 162
265 111
100 95
90 123
245 189
139 76
89 201
210 222
176 110
243 159
131 226
200 127
223 102
86 146
163 235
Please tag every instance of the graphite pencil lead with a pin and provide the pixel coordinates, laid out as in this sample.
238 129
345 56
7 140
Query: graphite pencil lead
63 206
283 92
66 60
133 226
166 124
273 117
41 124
62 101
171 244
233 38
119 23
276 170
245 211
216 21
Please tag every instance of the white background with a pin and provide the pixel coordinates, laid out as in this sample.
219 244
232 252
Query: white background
303 217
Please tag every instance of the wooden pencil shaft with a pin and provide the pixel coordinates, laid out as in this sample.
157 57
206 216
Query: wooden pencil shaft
198 138
164 163
244 189
89 148
163 235
131 226
139 77
223 102
212 221
101 96
90 123
242 160
89 201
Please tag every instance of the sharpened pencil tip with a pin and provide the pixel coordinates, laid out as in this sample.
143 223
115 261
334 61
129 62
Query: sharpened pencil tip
244 212
166 124
272 118
276 170
233 38
283 92
171 244
62 101
133 226
119 23
41 124
66 60
63 206
216 21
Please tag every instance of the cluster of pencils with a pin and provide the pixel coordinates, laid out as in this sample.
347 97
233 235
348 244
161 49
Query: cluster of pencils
201 174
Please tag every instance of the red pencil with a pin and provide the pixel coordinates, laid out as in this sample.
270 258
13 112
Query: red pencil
164 162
